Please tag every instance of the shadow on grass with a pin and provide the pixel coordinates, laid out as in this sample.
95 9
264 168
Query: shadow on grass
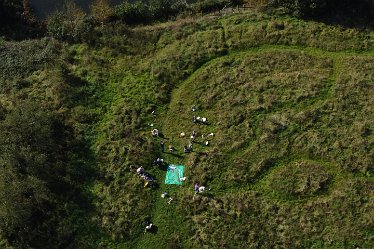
153 230
175 155
78 204
357 14
163 167
345 21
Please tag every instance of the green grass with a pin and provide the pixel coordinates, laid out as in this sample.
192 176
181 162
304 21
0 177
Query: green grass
290 104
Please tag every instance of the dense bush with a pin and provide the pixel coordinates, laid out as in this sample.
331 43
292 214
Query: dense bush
18 59
153 10
70 24
132 13
33 174
101 11
163 9
159 10
207 6
354 9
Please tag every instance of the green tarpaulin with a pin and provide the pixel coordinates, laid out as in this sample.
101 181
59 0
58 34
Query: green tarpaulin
174 174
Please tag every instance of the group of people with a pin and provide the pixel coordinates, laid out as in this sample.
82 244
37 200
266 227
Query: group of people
199 120
187 148
158 162
165 195
148 179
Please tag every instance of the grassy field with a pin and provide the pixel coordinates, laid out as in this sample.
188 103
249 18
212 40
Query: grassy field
290 104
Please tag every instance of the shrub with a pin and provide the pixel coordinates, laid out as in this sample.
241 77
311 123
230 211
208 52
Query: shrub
101 11
20 58
317 8
55 25
159 10
207 6
132 13
32 172
163 9
70 24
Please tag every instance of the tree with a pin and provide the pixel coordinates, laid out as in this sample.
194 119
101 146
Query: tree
55 25
101 11
70 23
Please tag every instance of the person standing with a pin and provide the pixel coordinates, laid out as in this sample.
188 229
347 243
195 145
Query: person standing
197 186
193 135
190 147
171 148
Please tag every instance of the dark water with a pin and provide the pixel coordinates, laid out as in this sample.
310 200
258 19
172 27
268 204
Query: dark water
42 8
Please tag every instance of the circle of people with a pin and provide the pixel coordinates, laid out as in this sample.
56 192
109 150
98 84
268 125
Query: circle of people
148 179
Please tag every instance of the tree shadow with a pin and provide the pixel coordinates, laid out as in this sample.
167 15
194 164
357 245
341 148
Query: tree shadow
345 21
357 14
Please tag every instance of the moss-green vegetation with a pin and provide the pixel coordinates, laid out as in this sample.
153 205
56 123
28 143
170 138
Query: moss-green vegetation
290 104
301 179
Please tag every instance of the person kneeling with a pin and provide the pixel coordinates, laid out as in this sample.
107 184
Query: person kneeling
148 227
185 149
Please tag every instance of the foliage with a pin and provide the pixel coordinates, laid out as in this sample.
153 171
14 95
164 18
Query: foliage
70 24
153 10
20 59
131 13
101 10
346 9
33 172
161 10
302 8
207 6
